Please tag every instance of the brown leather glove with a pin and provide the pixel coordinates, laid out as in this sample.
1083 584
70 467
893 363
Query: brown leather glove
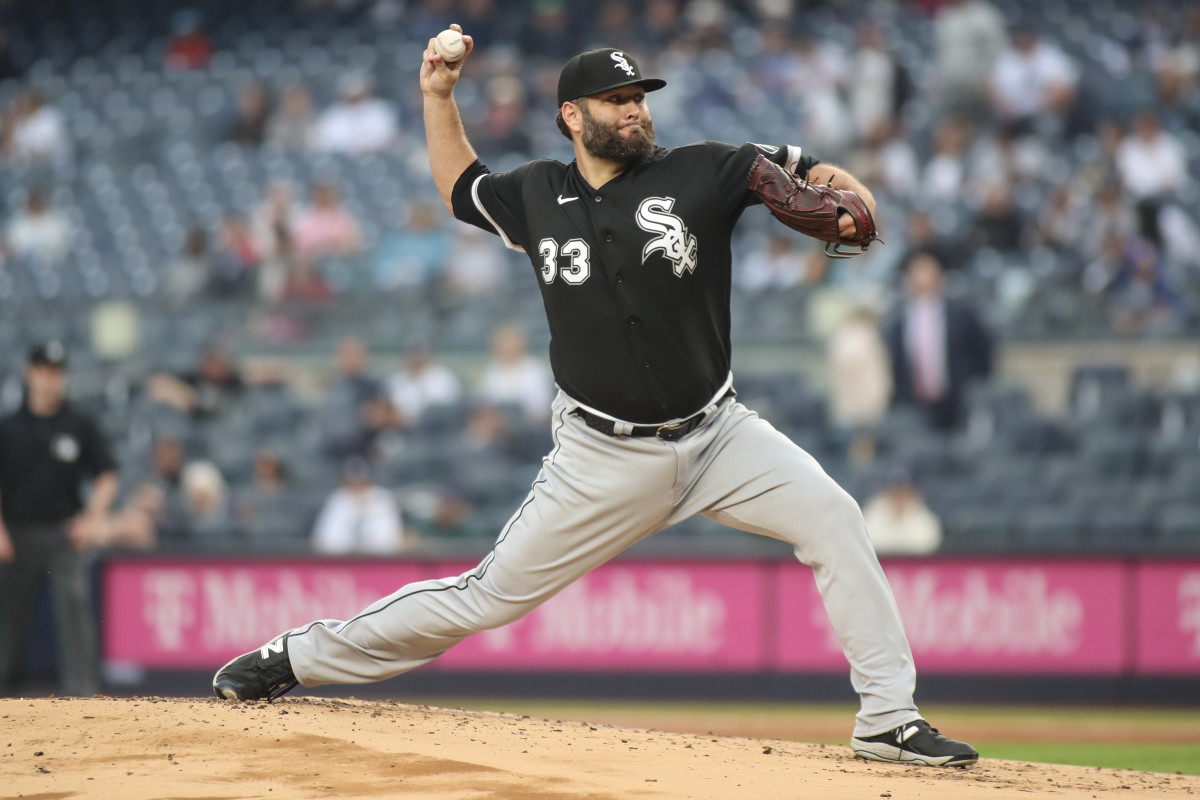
812 209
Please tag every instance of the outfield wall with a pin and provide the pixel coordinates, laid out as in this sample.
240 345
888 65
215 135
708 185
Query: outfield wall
994 616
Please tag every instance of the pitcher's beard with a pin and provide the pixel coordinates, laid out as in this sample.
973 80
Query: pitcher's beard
606 142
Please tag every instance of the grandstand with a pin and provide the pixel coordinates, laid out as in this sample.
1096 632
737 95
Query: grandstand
1101 456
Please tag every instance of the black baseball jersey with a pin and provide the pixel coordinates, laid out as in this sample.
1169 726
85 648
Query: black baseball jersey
635 275
44 462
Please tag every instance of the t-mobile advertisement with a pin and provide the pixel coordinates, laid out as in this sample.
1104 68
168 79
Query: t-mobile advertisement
994 616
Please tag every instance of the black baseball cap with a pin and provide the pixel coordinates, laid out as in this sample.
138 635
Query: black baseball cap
598 71
50 353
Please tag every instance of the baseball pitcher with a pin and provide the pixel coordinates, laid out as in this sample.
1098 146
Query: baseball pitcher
630 247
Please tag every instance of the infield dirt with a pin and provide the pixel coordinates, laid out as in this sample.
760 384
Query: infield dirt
202 749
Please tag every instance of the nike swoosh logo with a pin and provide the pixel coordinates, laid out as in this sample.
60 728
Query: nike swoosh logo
563 200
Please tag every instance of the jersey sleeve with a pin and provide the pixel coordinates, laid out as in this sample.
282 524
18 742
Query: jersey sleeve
732 165
493 201
97 457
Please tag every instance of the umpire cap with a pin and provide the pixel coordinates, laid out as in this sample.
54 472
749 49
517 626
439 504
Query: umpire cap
50 353
598 71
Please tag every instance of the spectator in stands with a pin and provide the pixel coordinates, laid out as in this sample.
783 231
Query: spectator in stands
188 275
970 35
998 224
817 82
235 267
249 126
412 254
945 172
135 523
356 124
1176 63
1061 223
1152 162
356 407
921 234
778 265
1098 167
502 130
422 384
878 86
1032 84
38 232
513 377
326 227
1110 215
1142 298
888 160
35 133
269 481
899 522
189 46
939 346
209 391
860 380
205 500
271 225
291 126
359 517
167 460
473 268
303 283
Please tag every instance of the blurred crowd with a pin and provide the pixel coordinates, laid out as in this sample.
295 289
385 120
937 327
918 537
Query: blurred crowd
1021 153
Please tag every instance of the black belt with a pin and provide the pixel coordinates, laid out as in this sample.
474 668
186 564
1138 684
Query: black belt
668 433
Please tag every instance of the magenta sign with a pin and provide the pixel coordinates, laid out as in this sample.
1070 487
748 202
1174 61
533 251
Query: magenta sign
194 613
680 616
1168 618
977 617
994 616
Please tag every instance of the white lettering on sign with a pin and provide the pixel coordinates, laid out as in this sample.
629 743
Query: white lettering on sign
230 609
1018 616
665 614
1189 609
170 607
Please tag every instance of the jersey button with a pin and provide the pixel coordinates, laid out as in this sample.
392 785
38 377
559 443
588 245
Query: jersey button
608 238
646 364
620 277
632 321
598 198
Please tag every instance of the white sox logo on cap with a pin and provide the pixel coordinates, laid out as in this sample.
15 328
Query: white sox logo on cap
622 63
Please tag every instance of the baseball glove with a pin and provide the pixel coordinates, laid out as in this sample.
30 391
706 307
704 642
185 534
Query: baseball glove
812 209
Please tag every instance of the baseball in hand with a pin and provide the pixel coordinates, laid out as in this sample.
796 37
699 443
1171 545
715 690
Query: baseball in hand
450 46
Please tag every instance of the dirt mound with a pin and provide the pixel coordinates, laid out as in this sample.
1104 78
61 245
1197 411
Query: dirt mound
202 749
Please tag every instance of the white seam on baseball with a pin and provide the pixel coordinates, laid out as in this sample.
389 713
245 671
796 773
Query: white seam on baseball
478 204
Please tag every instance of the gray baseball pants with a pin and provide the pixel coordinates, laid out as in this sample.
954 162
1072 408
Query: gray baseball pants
597 495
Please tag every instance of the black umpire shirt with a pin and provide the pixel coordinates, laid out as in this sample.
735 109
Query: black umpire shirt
634 275
44 462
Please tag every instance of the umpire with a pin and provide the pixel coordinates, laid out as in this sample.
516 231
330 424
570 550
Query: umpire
48 452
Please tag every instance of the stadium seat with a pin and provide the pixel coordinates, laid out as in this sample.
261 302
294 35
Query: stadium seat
981 529
1178 529
1121 529
1051 528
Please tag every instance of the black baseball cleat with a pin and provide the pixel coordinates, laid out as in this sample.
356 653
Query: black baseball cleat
915 743
262 674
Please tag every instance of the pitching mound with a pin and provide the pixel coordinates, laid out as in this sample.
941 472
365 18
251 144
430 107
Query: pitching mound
177 749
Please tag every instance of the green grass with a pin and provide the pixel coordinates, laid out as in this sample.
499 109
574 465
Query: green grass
1184 758
1143 739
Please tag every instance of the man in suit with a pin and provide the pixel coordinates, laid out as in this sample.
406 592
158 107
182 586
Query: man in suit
938 345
